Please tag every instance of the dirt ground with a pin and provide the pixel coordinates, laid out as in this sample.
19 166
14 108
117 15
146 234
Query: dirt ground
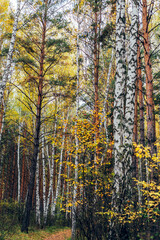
62 235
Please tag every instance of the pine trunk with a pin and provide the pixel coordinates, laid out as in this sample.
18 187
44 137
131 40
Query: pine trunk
141 104
149 81
18 164
28 207
106 96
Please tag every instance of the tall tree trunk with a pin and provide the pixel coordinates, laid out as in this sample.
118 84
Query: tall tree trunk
106 95
60 170
26 217
141 118
68 187
12 190
96 78
135 129
74 208
105 107
123 112
141 104
118 113
38 217
18 163
51 174
43 173
1 182
130 100
23 172
149 81
2 115
4 80
137 166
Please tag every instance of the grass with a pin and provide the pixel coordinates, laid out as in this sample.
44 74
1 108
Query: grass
10 216
34 234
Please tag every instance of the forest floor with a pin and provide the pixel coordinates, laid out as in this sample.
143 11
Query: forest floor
62 235
49 233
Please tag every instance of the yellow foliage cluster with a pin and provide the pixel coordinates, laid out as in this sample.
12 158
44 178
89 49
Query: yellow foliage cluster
150 188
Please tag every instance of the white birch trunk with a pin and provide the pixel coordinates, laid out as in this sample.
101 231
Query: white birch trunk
4 109
60 170
118 121
48 157
43 172
130 97
124 119
67 194
4 80
38 219
74 208
140 179
52 203
51 176
118 114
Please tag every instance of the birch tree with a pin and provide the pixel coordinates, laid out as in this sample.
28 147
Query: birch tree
38 216
119 104
124 111
7 69
130 98
51 175
53 208
74 208
43 170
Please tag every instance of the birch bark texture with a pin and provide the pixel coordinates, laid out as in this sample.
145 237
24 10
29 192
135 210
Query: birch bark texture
118 113
7 69
43 170
53 208
74 208
124 104
124 111
130 98
51 176
38 214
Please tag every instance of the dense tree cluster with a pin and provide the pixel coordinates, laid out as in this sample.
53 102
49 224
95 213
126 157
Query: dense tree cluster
79 116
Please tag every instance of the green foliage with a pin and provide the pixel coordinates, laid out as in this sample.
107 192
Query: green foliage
4 51
58 21
10 213
107 33
26 61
